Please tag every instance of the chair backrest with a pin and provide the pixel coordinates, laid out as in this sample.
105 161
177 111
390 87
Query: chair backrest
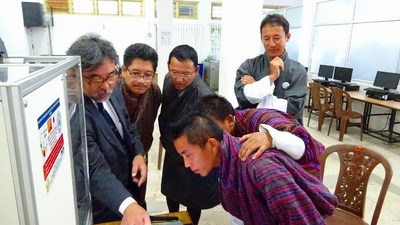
356 166
341 101
319 96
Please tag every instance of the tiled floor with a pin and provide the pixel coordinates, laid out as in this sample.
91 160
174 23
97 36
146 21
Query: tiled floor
390 212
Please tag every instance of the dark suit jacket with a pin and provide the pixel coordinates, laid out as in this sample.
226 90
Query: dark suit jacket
110 161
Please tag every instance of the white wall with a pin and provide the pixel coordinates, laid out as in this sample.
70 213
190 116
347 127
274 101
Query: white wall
164 46
12 30
240 40
121 31
240 18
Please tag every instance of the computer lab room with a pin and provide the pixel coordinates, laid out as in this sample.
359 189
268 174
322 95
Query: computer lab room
107 142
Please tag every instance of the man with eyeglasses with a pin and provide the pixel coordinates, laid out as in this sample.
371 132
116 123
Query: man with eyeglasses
182 88
116 158
142 96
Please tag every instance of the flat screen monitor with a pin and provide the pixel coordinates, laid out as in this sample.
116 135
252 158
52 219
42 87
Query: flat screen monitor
386 80
325 71
343 74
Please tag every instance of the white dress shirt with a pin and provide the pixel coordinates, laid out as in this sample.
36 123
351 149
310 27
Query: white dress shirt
285 141
262 93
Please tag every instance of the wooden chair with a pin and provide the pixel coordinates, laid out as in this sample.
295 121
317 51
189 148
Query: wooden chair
320 104
356 166
343 112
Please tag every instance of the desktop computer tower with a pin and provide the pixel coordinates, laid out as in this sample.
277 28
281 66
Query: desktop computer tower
396 97
383 96
345 86
211 75
376 95
352 87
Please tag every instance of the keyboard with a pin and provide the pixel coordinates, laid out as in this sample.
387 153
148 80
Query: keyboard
322 82
319 79
335 85
338 84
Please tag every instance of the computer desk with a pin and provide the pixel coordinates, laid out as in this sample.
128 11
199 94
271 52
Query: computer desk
387 135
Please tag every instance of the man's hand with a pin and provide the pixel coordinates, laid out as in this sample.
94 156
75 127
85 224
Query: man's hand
134 214
258 141
139 170
276 66
247 79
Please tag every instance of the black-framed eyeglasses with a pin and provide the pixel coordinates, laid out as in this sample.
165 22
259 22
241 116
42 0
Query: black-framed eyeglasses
183 75
136 75
99 81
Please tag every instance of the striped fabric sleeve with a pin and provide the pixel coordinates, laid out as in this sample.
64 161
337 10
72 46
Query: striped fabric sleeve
286 199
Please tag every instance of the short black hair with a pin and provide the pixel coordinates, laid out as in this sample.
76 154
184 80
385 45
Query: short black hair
198 129
141 51
214 106
275 19
184 52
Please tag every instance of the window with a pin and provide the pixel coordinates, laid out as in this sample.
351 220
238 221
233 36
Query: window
186 9
83 6
215 45
216 10
102 7
267 9
132 8
58 6
109 7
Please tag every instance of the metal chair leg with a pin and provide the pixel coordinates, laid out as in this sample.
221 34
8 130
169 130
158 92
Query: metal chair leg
160 154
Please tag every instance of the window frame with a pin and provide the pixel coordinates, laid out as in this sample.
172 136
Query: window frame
177 10
215 5
67 6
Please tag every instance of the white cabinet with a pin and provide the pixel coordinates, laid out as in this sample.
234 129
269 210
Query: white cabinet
38 95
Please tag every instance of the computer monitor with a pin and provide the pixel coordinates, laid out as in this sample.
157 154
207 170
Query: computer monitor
386 80
343 74
325 71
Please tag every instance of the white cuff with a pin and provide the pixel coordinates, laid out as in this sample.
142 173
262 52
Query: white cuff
272 102
285 141
257 91
125 204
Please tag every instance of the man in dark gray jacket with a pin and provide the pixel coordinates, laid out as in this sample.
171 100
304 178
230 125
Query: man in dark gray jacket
272 80
182 88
